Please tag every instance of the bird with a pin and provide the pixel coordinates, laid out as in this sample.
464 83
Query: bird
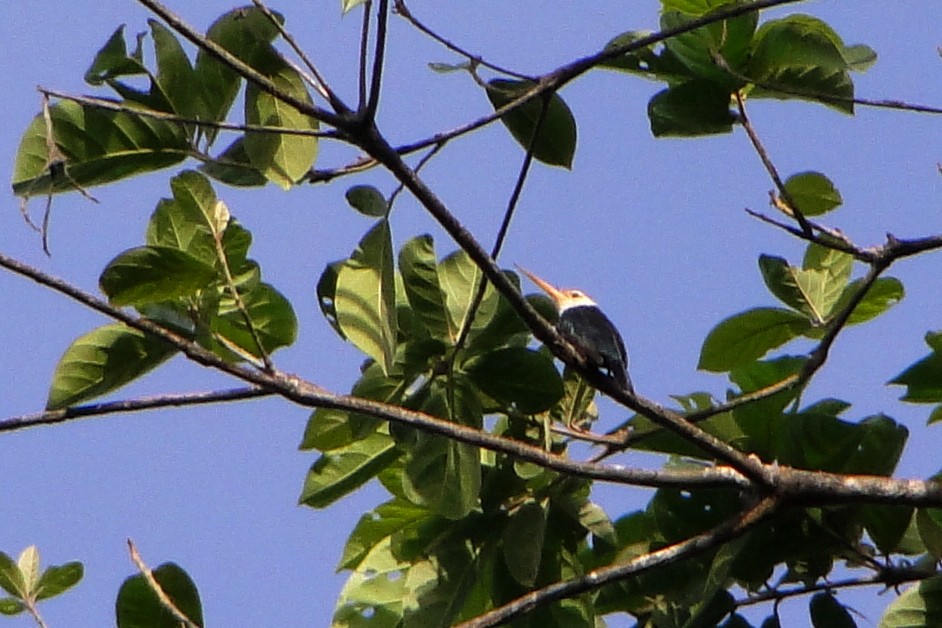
586 326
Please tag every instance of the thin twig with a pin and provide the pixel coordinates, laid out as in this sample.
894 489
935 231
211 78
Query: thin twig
401 9
158 590
795 212
217 226
726 531
504 226
379 59
364 54
112 105
316 80
51 417
887 576
240 67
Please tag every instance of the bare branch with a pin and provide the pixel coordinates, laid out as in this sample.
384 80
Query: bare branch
309 395
379 58
791 207
51 417
318 82
504 225
476 60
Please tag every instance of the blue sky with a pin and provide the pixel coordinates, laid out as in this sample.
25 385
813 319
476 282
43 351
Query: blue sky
653 229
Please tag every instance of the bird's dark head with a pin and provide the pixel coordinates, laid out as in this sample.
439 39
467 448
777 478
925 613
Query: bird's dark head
564 299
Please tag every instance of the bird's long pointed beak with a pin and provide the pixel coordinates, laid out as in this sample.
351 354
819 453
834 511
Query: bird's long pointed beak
547 287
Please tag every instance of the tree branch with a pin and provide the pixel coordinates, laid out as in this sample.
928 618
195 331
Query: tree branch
51 417
404 11
247 72
693 546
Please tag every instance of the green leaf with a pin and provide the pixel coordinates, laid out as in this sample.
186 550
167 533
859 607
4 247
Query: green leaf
233 167
282 157
645 61
368 201
380 524
330 429
813 193
441 474
11 606
57 579
459 278
175 76
886 525
522 542
920 605
12 579
747 336
556 143
780 279
576 407
137 605
365 297
930 530
245 32
827 612
698 50
151 274
113 61
859 57
801 57
347 5
342 471
519 376
690 109
98 146
374 595
883 294
923 380
103 360
419 269
272 318
327 294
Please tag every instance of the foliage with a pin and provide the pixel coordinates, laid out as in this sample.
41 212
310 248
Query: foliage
464 529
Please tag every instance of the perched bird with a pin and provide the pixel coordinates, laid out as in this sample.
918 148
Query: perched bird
586 326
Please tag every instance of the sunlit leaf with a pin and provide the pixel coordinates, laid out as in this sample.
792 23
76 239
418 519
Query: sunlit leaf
459 278
103 360
804 58
342 471
419 268
99 146
748 336
365 297
282 157
151 274
813 193
919 605
883 294
245 32
272 317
